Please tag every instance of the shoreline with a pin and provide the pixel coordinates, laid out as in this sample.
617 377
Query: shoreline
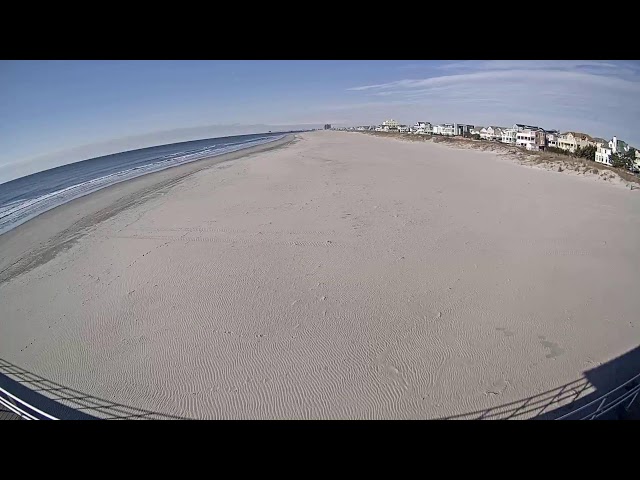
340 277
15 213
64 224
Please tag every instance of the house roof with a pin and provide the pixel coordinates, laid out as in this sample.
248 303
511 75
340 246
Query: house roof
599 140
579 135
527 127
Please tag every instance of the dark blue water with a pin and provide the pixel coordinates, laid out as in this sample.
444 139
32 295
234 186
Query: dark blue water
24 198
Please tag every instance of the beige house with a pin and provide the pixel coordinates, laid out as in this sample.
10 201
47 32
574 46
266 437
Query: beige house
570 141
388 126
491 133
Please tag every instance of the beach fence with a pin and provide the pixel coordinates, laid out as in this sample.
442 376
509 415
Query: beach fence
622 397
13 408
27 396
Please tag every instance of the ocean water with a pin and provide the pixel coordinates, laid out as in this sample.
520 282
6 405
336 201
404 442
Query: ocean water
26 197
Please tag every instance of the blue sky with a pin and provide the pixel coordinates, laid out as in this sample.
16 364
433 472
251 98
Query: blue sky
56 112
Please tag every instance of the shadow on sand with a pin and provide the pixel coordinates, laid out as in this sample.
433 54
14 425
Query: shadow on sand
62 402
611 388
617 380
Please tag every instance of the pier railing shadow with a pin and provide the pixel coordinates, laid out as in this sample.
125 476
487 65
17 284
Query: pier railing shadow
6 414
58 400
609 391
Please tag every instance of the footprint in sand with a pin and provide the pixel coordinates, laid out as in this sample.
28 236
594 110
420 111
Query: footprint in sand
506 331
554 349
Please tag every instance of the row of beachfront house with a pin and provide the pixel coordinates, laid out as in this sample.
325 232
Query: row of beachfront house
529 137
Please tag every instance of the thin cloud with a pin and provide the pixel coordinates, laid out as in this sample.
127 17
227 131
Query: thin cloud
355 106
525 65
600 97
502 75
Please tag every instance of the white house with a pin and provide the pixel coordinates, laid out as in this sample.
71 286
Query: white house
618 146
603 154
525 139
531 139
449 129
443 129
491 133
605 150
403 128
422 128
509 136
475 130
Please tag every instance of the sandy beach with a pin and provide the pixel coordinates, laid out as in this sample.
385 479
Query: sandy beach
336 276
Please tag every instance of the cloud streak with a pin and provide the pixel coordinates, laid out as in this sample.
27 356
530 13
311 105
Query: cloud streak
600 97
527 64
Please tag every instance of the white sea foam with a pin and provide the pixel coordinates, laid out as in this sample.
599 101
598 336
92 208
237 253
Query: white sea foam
17 213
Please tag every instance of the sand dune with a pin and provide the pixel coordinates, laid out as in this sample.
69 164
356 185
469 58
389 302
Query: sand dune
342 276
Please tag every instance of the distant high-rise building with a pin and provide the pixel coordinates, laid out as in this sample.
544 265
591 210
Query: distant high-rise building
327 126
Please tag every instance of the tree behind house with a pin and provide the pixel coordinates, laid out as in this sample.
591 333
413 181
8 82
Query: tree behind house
588 152
629 159
557 150
618 161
